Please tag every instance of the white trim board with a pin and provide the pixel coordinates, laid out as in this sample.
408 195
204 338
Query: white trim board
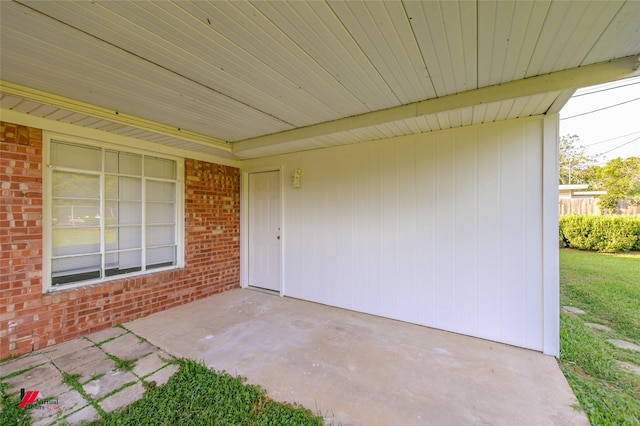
73 130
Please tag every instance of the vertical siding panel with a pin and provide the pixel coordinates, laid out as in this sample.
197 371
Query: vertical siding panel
359 280
295 238
299 258
301 251
445 231
425 222
373 216
316 210
305 253
329 238
325 241
328 230
331 249
290 233
488 240
408 243
465 233
512 232
389 291
533 225
309 214
346 227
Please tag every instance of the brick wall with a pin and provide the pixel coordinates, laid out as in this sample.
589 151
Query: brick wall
30 320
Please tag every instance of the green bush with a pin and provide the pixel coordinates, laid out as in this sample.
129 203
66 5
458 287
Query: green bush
607 234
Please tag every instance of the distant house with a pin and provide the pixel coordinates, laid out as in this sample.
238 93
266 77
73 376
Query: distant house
575 191
573 199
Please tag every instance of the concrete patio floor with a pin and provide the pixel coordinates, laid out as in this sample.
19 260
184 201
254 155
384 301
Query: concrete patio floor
358 369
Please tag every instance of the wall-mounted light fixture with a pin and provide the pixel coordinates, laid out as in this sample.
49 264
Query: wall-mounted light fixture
296 178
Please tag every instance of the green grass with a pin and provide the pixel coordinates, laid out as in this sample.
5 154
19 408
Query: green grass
123 364
607 288
10 414
197 395
73 382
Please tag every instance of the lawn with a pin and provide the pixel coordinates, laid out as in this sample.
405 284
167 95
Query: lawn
607 288
195 395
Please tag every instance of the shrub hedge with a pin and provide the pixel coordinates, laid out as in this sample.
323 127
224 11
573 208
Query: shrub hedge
600 233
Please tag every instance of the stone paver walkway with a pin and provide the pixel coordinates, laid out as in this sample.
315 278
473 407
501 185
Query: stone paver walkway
573 310
105 370
622 344
597 326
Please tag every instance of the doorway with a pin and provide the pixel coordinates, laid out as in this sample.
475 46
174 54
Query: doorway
264 230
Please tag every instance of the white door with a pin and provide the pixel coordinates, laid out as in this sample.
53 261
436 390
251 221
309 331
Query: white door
264 230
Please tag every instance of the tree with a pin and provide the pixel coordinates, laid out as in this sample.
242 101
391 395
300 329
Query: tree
574 161
621 179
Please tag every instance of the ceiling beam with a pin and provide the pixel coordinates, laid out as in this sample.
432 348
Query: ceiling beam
561 101
111 115
565 81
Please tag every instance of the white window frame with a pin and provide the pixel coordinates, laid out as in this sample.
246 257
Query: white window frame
47 210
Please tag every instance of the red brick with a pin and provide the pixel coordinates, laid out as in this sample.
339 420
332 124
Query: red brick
212 253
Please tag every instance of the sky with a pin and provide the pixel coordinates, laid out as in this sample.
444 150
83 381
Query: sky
615 130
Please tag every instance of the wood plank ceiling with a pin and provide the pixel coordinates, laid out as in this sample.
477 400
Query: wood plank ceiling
241 79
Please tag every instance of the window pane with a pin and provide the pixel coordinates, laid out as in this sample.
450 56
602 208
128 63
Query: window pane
123 188
123 213
159 168
71 241
80 213
74 269
161 191
126 237
160 213
76 156
97 218
160 235
162 256
123 163
123 263
75 185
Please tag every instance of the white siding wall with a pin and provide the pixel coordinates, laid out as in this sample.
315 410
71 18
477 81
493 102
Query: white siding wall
442 229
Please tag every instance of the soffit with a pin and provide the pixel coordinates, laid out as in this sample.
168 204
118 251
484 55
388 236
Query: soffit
236 71
43 110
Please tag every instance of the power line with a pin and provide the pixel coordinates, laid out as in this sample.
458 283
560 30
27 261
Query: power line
620 146
605 90
600 109
612 139
611 84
